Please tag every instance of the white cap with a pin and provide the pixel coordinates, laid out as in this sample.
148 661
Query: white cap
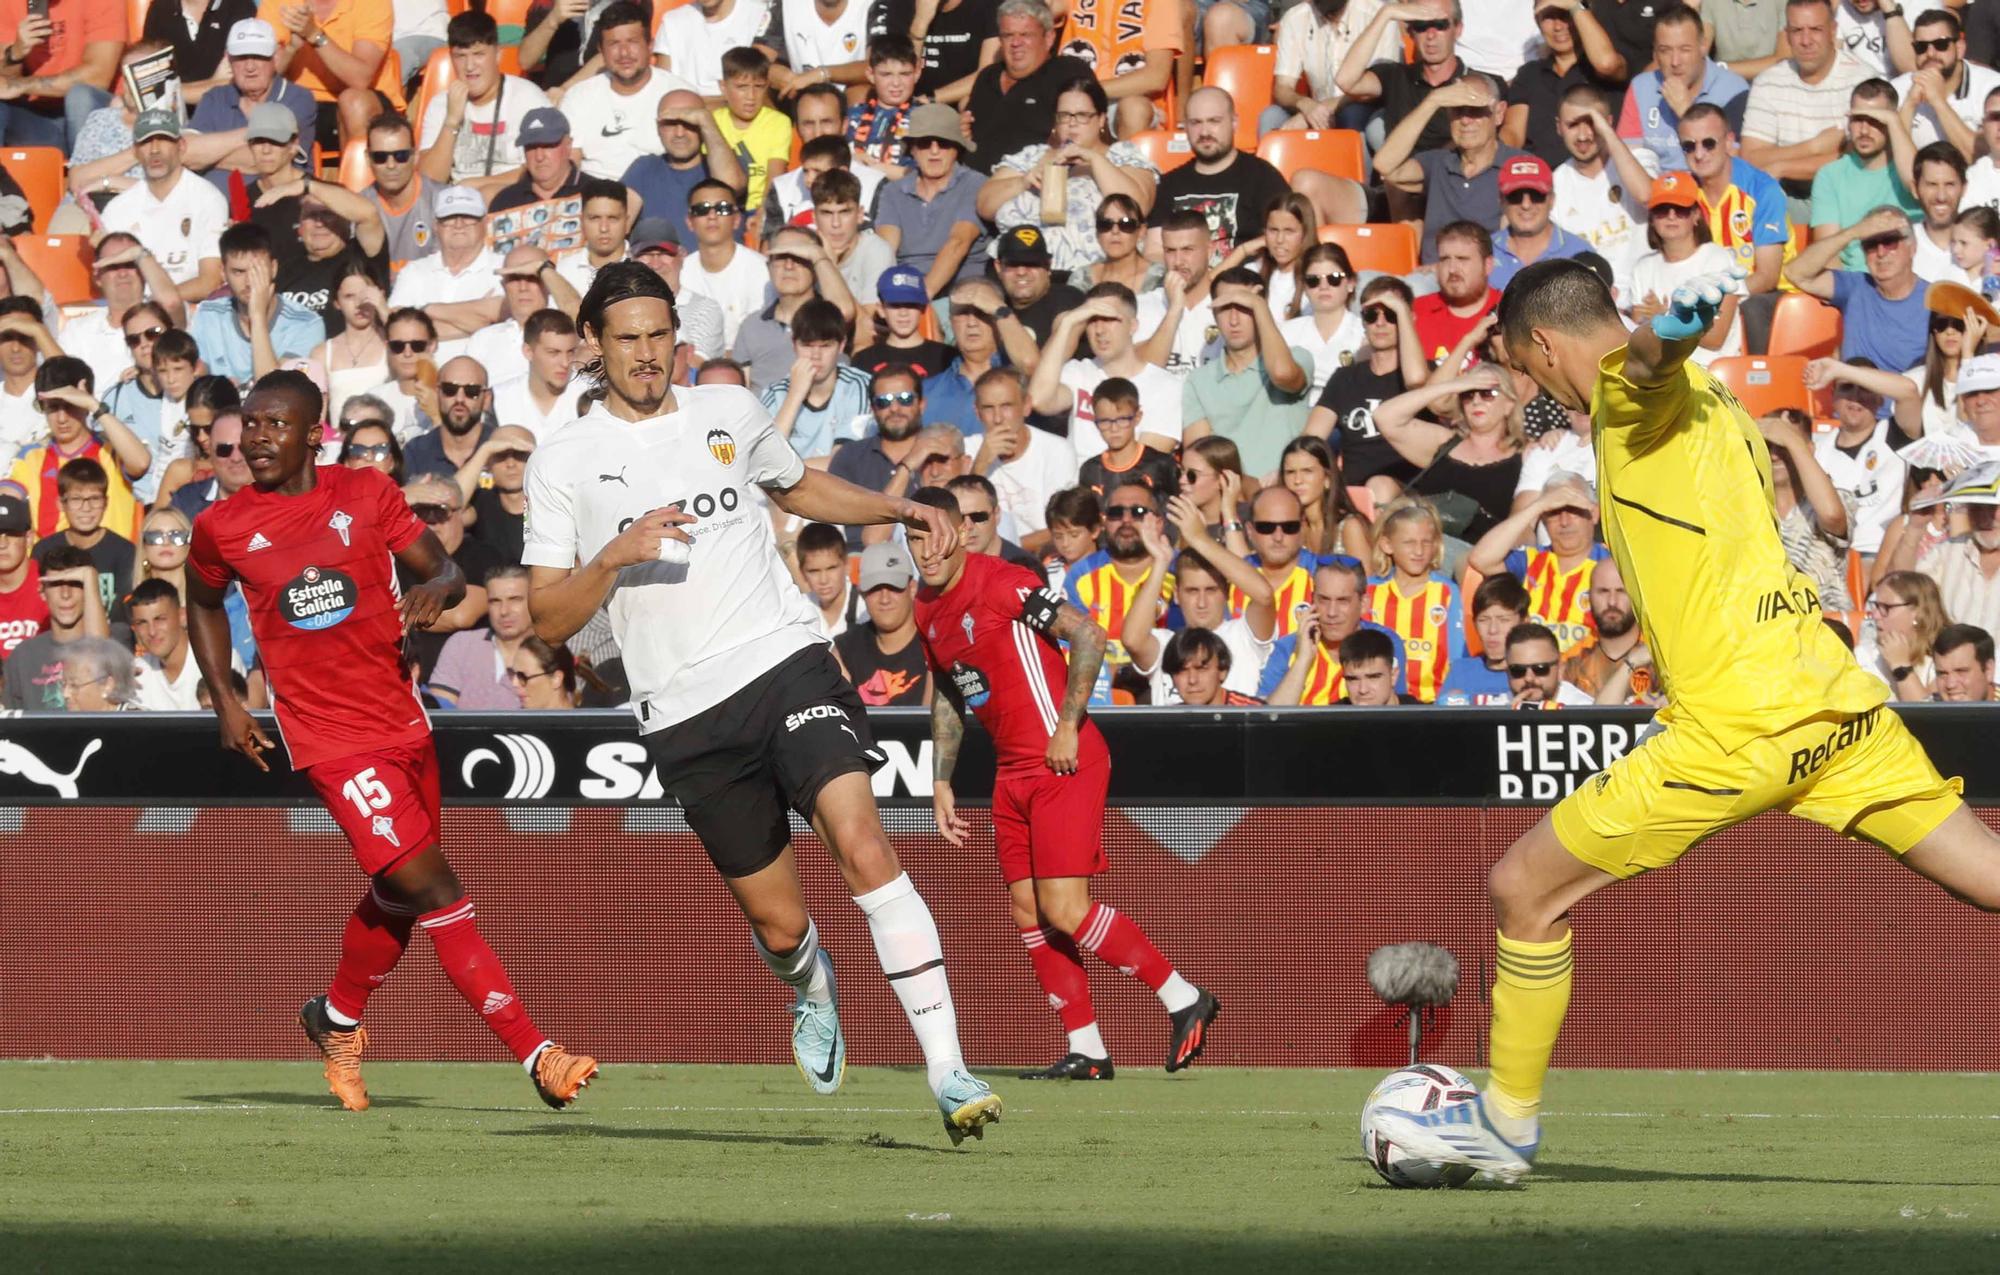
1980 372
458 201
252 38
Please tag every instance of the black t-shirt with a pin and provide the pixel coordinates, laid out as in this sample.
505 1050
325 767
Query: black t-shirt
1040 318
114 558
475 560
1629 23
1154 468
1540 89
928 358
1982 31
197 56
498 530
309 284
881 680
1404 90
521 192
1025 116
951 48
1352 394
1233 200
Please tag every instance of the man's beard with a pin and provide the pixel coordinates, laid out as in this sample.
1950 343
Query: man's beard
1128 550
1614 624
900 432
460 428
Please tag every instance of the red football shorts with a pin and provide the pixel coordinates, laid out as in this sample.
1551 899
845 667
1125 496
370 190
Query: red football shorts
387 802
1047 825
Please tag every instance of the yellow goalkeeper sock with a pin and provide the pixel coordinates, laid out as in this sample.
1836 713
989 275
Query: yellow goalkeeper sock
1530 997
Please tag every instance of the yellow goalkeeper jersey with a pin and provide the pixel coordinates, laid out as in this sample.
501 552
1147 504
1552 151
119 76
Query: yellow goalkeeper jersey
1684 486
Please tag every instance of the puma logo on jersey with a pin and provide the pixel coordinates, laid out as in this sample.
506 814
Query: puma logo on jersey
618 478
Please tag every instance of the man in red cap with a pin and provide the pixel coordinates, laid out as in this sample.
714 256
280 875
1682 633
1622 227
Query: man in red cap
1527 190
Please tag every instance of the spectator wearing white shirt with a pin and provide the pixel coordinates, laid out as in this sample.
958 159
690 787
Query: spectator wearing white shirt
1864 32
544 397
1982 178
818 121
1106 322
604 218
491 327
613 112
1202 574
126 275
693 37
816 41
167 675
1859 453
463 268
1947 93
1939 185
1312 40
1328 329
470 133
656 244
418 31
178 215
1025 465
861 255
724 271
1602 188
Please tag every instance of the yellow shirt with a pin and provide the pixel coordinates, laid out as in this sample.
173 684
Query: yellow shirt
1734 628
756 144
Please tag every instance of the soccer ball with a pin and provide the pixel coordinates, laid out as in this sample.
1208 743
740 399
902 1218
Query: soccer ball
1419 1087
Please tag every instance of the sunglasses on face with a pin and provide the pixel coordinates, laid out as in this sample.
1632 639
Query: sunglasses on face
173 537
360 451
433 514
224 451
460 389
1332 280
518 678
1466 394
978 515
1880 243
1423 25
1522 670
1125 513
409 347
1689 145
1934 46
1283 527
1673 210
929 144
1940 323
716 208
1377 314
896 398
1126 225
1193 475
401 156
1527 197
133 340
512 453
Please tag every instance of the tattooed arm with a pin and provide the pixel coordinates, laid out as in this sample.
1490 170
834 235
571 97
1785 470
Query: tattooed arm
947 734
1087 644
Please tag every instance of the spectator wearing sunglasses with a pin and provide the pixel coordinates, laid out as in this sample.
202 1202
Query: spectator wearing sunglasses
399 192
499 508
1459 181
473 671
931 217
885 454
208 396
1534 671
1433 27
1528 235
125 277
1883 317
410 393
164 538
228 473
984 524
1104 584
1951 97
1276 532
463 425
1682 77
151 399
373 445
724 271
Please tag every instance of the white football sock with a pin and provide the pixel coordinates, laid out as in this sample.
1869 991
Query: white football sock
1088 1042
1176 994
339 1019
800 967
906 941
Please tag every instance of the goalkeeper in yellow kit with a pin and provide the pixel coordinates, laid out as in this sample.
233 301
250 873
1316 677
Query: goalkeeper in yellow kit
1766 708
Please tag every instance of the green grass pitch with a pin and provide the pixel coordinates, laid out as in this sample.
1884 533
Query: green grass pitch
249 1166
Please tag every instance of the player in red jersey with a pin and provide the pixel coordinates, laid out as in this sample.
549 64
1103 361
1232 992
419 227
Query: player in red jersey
315 549
990 631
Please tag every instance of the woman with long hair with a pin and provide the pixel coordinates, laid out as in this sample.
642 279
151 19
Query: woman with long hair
1309 471
1094 167
357 357
1290 226
1921 528
1812 520
1905 615
1328 330
1934 412
1409 595
1390 361
1121 228
1471 471
164 538
544 676
1212 477
1683 249
206 397
372 446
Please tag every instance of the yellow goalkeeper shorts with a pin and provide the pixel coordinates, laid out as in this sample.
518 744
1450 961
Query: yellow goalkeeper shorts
1864 776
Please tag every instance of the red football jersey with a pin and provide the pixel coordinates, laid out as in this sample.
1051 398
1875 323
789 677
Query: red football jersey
989 634
23 613
319 574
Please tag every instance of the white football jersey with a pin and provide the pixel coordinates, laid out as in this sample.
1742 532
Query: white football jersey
1872 477
695 633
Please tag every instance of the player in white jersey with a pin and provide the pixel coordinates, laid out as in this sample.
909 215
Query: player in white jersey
656 501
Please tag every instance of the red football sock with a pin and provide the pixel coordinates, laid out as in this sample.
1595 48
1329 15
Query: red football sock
1059 969
1116 938
369 948
479 976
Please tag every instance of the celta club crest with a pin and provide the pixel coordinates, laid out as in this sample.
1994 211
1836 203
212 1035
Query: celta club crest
340 522
966 620
722 446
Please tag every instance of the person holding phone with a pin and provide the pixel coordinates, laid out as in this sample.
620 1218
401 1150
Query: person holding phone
58 59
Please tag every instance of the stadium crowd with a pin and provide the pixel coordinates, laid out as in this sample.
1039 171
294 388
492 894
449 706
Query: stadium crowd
1199 327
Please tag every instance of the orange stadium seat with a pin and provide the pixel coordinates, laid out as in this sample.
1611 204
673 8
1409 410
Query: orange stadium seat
39 172
512 15
61 262
1165 149
1246 71
135 19
356 173
1763 384
1804 325
1390 247
1332 150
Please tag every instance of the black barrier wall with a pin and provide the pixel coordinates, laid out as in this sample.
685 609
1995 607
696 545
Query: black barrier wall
1160 757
